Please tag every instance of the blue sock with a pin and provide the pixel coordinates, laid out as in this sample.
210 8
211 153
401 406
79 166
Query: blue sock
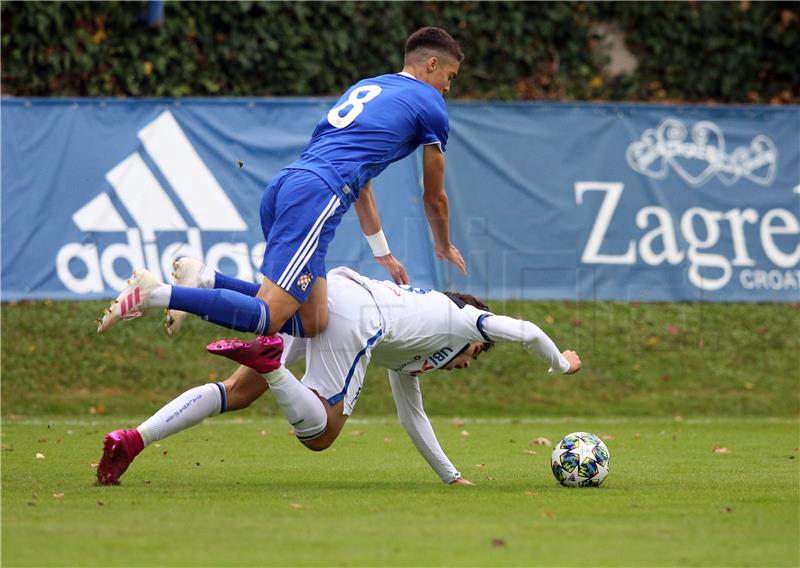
230 283
294 326
224 307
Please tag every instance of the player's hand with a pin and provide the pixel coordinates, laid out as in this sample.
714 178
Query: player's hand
453 255
574 362
395 268
461 481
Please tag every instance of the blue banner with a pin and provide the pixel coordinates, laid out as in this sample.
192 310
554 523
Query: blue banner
548 201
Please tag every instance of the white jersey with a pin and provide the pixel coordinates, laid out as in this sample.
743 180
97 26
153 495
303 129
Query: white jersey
423 329
410 331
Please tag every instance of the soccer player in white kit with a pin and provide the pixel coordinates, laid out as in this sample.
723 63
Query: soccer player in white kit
410 331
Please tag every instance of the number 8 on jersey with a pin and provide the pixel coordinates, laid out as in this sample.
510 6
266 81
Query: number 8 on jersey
356 103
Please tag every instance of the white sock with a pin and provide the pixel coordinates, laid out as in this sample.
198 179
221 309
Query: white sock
188 409
302 408
159 298
206 278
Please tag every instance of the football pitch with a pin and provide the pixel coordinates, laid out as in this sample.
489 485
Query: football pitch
241 492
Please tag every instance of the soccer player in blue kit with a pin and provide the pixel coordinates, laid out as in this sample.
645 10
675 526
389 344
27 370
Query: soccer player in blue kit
376 122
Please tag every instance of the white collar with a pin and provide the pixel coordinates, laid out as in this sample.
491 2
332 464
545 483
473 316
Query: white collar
406 74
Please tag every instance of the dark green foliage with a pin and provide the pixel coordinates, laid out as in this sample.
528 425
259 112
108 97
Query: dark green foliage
514 50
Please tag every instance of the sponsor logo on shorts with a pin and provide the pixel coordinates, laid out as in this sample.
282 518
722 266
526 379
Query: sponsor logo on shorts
303 281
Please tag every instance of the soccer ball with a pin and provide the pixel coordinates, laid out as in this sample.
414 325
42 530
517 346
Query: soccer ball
580 460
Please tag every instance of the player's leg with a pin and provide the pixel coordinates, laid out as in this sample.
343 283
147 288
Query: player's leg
192 273
337 358
188 409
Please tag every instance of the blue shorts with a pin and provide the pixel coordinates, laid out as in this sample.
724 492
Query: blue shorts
299 216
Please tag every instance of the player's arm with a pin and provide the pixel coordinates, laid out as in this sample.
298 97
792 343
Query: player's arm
437 208
370 221
408 399
503 328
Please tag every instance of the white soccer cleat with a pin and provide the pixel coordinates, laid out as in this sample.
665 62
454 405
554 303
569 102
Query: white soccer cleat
187 273
133 300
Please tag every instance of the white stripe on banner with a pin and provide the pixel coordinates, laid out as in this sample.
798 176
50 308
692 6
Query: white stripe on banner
188 175
309 243
144 198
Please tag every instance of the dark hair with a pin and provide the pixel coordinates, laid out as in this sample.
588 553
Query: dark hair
461 300
434 39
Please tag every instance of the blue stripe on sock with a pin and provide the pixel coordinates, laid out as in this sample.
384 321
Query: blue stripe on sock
370 342
223 405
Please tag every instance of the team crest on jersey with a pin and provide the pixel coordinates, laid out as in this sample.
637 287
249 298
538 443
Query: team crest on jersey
304 281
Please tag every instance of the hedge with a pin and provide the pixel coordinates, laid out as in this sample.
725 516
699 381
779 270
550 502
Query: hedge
693 51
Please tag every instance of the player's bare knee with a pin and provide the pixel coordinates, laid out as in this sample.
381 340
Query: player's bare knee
318 445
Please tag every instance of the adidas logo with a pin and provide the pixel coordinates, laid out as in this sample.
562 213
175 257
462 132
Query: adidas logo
203 206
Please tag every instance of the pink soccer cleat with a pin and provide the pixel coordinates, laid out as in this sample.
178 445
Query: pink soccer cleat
119 449
132 301
262 354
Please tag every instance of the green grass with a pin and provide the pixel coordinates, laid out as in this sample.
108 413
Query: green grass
639 360
241 493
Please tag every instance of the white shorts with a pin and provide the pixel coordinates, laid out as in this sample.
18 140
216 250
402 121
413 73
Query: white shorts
337 358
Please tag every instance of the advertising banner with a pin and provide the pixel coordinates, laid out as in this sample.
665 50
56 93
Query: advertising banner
547 201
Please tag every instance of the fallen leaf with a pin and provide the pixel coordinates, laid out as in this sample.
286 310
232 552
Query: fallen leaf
720 450
498 542
728 510
673 330
263 432
356 433
577 323
541 441
387 439
458 422
763 330
39 456
548 514
664 378
58 495
549 319
94 465
164 452
238 420
652 340
480 465
530 452
530 493
295 505
464 433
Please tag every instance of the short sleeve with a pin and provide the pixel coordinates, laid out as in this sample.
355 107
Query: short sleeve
433 126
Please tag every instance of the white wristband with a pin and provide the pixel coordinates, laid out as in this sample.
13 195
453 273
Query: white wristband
378 244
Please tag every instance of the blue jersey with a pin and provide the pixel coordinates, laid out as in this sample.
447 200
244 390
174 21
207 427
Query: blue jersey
376 122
